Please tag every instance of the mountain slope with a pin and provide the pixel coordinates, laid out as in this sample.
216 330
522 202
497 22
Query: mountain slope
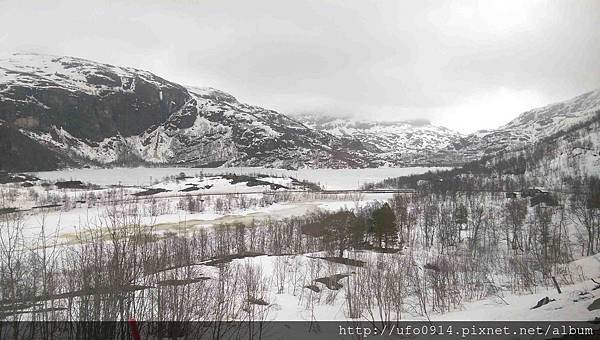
391 143
75 112
531 126
419 142
93 113
19 153
558 162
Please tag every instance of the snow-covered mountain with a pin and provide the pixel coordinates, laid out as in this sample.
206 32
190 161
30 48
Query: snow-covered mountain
532 126
64 111
391 143
419 142
78 112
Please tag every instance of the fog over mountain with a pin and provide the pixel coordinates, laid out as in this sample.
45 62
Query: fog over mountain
463 65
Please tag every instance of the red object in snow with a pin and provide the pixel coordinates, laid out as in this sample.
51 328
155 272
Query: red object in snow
135 332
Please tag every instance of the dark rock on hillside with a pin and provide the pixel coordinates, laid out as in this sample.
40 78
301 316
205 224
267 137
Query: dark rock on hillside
64 111
81 112
110 101
20 153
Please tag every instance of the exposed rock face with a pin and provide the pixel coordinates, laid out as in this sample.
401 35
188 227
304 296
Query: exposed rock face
419 142
20 153
89 112
91 101
389 143
64 111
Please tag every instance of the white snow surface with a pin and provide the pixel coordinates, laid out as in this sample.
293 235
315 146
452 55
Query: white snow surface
41 70
332 179
291 305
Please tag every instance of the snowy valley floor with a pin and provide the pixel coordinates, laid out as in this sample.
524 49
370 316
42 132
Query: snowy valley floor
246 247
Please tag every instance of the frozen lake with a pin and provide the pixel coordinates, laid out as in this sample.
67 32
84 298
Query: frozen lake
142 176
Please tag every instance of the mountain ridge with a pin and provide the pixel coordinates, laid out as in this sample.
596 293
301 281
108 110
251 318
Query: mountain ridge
393 142
79 112
111 114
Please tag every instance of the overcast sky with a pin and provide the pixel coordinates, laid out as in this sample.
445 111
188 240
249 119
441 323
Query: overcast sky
467 65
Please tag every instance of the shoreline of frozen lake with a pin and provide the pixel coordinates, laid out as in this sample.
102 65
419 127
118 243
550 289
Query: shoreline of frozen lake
332 179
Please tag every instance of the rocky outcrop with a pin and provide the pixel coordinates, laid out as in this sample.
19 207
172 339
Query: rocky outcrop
82 112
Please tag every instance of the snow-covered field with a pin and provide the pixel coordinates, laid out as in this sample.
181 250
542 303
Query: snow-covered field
297 303
143 176
65 224
215 199
291 275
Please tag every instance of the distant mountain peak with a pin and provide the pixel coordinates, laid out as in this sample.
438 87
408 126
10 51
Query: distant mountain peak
324 117
391 142
73 112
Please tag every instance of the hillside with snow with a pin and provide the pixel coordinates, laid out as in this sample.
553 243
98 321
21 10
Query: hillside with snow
87 113
561 162
532 126
242 244
58 112
420 142
391 143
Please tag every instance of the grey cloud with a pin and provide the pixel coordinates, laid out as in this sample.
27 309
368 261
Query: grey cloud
441 60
